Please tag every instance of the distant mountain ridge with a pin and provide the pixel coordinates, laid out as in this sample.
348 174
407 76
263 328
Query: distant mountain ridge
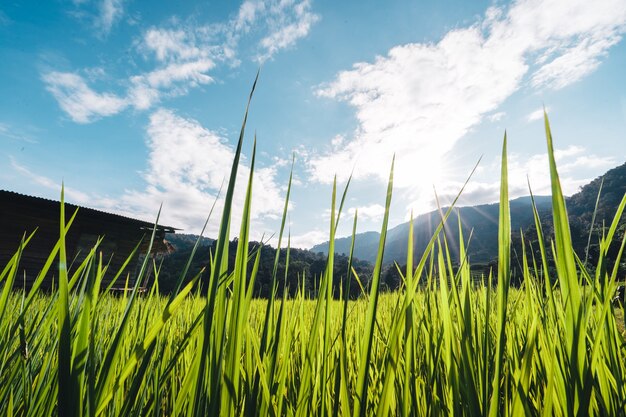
482 220
482 249
305 267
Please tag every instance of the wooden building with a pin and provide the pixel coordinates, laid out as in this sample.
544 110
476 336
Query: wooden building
22 214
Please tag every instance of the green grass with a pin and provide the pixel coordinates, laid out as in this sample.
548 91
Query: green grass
441 345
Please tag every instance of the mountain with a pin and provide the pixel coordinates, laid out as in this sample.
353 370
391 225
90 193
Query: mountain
183 241
613 184
305 267
580 207
480 221
483 220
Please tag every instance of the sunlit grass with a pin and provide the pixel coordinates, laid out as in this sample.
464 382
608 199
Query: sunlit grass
443 344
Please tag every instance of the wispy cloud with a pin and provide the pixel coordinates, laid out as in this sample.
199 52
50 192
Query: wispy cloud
574 63
110 12
78 100
187 166
183 55
279 24
73 195
180 65
4 19
496 117
102 15
533 169
172 80
286 26
420 99
181 62
16 133
172 45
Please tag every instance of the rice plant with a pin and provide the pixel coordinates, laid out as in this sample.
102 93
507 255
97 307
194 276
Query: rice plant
443 344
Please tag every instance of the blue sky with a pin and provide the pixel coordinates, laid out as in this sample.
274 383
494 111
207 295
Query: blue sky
133 103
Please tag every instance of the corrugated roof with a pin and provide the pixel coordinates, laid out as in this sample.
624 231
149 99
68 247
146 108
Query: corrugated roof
42 200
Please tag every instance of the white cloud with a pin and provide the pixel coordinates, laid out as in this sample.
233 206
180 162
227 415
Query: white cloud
173 45
181 65
535 170
337 141
280 23
571 164
309 239
79 101
277 24
102 15
421 98
287 26
372 212
574 63
537 114
183 62
416 102
193 73
496 117
174 79
247 15
110 12
187 166
183 55
571 161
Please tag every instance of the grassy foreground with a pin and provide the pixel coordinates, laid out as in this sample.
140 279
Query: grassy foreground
442 345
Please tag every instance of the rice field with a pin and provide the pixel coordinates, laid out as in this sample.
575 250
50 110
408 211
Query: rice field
441 345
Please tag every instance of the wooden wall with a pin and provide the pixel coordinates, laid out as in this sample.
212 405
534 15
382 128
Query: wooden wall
20 214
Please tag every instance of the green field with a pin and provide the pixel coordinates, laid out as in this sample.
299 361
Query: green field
444 344
436 360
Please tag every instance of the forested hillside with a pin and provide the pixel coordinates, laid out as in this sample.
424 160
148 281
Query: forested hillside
479 222
305 267
482 222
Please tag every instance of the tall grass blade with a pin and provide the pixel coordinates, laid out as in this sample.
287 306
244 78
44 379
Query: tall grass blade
361 397
504 276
